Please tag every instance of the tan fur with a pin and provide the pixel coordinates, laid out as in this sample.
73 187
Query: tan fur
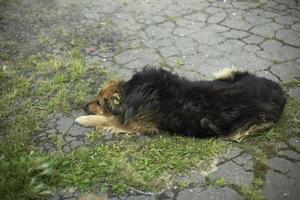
95 108
226 74
103 118
241 133
111 93
95 120
111 123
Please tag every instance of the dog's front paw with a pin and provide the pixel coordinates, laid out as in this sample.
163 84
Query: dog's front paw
82 121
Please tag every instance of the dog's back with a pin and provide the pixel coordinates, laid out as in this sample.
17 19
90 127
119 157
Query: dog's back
180 106
246 98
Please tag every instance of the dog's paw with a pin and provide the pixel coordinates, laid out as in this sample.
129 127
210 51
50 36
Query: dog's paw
82 121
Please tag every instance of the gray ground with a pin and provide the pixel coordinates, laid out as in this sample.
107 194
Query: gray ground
194 38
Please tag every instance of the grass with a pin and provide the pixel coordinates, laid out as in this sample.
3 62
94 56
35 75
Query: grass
292 83
288 124
221 182
179 63
59 82
134 163
253 192
31 90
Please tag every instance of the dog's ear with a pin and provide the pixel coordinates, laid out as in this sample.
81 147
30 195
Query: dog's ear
117 85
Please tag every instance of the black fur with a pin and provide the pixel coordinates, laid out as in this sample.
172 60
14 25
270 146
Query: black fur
201 108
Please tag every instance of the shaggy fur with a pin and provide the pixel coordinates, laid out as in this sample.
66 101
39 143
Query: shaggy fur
157 100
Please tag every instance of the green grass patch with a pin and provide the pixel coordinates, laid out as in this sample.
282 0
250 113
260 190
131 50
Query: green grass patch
29 91
60 83
253 192
288 124
221 182
141 164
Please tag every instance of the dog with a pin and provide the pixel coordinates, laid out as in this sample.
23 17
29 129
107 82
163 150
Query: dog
155 100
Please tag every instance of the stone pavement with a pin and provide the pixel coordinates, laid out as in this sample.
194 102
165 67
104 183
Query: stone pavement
194 38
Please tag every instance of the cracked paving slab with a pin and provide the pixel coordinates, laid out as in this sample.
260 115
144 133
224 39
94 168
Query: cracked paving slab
62 129
237 170
252 35
209 194
283 177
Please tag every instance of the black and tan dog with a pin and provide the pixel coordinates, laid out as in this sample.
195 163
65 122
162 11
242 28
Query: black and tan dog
156 100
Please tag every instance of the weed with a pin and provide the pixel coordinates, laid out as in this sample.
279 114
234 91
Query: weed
179 63
221 182
171 19
163 62
93 136
292 83
58 141
275 62
184 184
125 2
253 192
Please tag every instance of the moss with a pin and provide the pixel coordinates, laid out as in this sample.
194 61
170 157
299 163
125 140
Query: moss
171 19
289 121
7 49
292 83
254 192
125 2
179 63
221 182
184 184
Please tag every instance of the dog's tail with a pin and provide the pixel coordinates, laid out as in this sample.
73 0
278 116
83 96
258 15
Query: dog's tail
230 74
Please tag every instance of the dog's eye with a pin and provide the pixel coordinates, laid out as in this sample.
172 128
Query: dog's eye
105 100
116 99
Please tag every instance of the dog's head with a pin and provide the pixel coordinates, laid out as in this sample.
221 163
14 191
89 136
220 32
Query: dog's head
108 101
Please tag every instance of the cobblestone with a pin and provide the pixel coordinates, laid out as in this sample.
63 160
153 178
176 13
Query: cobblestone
294 142
190 37
237 171
284 181
290 154
209 194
